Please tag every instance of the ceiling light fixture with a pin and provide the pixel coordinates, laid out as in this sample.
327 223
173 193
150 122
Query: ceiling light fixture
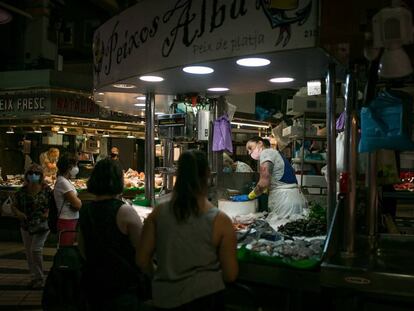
130 135
98 101
124 85
250 124
107 107
140 97
218 89
151 78
61 130
281 80
198 70
10 131
253 62
139 105
100 93
38 130
105 134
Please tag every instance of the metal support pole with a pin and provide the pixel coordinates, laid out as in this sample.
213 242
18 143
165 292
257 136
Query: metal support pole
372 211
331 154
168 155
350 214
149 146
216 158
350 164
371 172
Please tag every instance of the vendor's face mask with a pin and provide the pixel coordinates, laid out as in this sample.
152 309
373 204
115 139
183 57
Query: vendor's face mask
256 153
33 178
74 171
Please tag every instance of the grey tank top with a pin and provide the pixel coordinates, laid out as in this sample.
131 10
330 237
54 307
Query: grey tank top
188 266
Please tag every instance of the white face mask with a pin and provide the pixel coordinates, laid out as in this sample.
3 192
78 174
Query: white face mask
74 171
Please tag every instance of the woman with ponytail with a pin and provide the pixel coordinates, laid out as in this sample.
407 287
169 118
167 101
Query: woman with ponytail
194 243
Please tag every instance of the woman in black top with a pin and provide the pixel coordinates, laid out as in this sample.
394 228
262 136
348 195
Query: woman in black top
109 233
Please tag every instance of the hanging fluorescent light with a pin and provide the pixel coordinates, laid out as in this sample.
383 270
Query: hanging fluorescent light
105 134
130 135
124 85
198 70
253 62
250 125
139 105
38 130
151 78
10 131
218 89
281 80
61 130
140 97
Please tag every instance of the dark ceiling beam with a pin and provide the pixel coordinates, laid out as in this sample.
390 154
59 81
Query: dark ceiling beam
110 6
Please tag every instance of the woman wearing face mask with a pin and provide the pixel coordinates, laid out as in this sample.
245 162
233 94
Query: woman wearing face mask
278 177
31 206
66 198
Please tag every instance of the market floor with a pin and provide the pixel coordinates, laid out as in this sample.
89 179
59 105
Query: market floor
14 277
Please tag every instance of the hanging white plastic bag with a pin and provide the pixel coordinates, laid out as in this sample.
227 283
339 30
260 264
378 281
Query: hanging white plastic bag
340 152
6 208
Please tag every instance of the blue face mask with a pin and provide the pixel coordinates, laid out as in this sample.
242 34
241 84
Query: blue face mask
227 169
33 178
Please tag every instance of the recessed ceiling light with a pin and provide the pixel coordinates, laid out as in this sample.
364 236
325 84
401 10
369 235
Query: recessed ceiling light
139 105
151 78
140 97
253 62
100 93
218 89
124 86
281 80
198 70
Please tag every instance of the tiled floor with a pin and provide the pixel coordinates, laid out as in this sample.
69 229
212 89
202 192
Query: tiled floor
14 277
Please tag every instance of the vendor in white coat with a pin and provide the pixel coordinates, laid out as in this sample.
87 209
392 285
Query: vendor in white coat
278 177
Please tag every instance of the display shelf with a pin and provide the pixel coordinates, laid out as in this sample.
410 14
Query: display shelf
306 137
299 160
301 135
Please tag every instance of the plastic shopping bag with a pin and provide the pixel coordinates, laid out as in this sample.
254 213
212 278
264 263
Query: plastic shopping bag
340 152
6 208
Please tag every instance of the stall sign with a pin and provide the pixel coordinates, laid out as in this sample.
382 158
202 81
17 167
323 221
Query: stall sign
106 114
24 103
71 104
156 35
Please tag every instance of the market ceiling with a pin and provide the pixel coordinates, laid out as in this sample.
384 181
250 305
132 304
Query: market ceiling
161 38
302 65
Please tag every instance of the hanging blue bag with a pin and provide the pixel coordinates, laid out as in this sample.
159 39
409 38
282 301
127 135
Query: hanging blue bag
386 123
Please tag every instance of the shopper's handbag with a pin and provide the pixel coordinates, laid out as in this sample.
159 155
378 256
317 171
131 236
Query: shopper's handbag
54 213
386 123
63 288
